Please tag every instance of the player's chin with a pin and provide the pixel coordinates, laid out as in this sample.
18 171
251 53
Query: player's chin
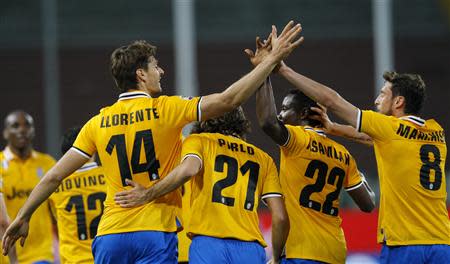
156 90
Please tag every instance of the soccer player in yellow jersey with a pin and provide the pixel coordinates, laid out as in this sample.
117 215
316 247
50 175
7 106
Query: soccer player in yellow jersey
413 223
78 206
138 137
21 169
229 176
313 170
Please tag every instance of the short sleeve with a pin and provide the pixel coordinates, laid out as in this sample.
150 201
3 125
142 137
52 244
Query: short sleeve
297 140
192 146
376 125
271 181
85 142
181 110
354 178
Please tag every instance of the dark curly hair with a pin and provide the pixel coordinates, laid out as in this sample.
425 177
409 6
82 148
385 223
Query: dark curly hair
127 59
69 138
410 86
302 105
233 123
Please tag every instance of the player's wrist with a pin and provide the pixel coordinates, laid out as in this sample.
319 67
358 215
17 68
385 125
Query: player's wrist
149 195
283 68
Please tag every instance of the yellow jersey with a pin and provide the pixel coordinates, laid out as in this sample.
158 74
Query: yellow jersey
138 138
410 154
19 177
313 170
225 194
183 241
78 206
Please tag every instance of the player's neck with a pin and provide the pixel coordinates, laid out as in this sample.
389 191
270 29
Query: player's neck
22 153
398 113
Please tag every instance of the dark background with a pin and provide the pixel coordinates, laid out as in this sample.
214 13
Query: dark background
338 51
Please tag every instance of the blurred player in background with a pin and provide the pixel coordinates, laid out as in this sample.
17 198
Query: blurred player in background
413 223
21 168
139 137
78 207
229 176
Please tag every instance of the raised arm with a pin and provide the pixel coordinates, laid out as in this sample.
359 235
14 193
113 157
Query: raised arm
321 94
217 104
280 226
340 130
49 183
266 112
177 177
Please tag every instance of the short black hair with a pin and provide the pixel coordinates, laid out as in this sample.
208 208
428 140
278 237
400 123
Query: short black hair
411 86
233 123
302 104
69 138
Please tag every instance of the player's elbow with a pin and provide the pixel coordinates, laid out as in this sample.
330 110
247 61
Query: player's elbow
331 100
267 125
52 178
229 104
367 209
367 206
281 219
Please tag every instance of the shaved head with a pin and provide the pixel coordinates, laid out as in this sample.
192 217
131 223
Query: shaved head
19 132
14 114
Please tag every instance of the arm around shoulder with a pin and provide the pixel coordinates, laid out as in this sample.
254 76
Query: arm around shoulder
321 94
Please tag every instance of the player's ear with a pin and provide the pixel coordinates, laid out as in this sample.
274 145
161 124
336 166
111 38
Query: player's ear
399 102
140 74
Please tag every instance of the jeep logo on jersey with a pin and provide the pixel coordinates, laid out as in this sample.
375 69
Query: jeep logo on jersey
19 193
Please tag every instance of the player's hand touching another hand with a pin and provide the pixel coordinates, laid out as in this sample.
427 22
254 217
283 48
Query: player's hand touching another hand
262 50
131 198
285 43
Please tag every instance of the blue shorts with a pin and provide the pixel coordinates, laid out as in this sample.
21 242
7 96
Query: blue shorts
207 250
136 247
299 261
42 262
415 254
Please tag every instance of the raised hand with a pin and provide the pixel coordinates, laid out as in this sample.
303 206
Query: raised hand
132 198
17 229
284 44
262 50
